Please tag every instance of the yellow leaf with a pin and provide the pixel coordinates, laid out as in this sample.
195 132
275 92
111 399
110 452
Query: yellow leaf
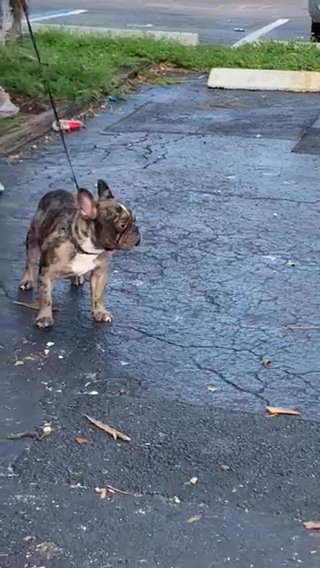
274 411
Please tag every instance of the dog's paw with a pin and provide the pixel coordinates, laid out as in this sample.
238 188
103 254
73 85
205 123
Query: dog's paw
103 316
26 284
44 321
77 281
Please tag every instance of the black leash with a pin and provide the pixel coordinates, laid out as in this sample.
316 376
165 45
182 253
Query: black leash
46 84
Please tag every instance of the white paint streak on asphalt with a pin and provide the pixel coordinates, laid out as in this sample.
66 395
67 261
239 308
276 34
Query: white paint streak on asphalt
260 32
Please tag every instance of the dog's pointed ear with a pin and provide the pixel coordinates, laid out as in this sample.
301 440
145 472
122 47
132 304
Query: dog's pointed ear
104 190
87 204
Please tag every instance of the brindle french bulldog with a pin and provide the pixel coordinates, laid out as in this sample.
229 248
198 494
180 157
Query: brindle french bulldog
76 235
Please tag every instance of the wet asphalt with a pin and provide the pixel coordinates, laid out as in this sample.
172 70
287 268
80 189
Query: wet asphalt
225 186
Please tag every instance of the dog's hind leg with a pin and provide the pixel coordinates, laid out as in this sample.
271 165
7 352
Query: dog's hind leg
32 251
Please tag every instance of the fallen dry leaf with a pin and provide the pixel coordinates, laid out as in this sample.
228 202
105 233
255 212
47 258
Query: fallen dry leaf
30 305
212 389
274 411
81 441
108 429
265 362
312 525
194 519
225 467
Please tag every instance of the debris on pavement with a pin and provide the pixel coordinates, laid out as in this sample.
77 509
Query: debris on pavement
108 429
104 492
212 389
241 30
265 362
312 525
43 432
67 125
30 305
109 491
81 441
116 490
191 481
194 519
291 264
225 467
275 411
175 500
1 187
112 99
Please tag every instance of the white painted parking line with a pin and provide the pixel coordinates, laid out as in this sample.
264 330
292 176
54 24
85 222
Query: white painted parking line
51 16
260 32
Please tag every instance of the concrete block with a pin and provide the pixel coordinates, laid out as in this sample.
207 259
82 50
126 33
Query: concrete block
264 80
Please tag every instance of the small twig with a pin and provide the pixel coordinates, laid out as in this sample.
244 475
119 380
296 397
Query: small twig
38 435
31 305
115 490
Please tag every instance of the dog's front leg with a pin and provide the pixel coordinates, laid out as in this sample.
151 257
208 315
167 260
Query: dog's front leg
98 283
44 317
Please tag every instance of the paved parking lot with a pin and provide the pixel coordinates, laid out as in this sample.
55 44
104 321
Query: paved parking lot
216 22
226 190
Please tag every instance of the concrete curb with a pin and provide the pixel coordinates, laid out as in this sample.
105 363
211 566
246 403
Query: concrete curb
185 38
265 80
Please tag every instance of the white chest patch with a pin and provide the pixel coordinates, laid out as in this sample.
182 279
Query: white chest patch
83 263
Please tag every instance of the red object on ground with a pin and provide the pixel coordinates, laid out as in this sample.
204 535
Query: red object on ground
68 125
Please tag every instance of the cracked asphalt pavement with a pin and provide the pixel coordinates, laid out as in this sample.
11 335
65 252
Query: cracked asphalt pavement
225 186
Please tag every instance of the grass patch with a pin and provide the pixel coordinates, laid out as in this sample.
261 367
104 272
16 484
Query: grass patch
83 66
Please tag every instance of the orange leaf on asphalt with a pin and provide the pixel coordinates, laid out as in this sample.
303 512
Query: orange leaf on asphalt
275 411
312 525
108 429
81 441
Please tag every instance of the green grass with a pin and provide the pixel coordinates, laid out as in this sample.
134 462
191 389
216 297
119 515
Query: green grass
84 66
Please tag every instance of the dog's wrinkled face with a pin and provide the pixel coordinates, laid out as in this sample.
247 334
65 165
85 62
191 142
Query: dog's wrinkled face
114 225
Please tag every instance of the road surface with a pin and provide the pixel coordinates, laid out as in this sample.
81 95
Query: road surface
226 190
220 22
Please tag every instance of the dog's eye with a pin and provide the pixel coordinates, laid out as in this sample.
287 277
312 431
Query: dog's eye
122 225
